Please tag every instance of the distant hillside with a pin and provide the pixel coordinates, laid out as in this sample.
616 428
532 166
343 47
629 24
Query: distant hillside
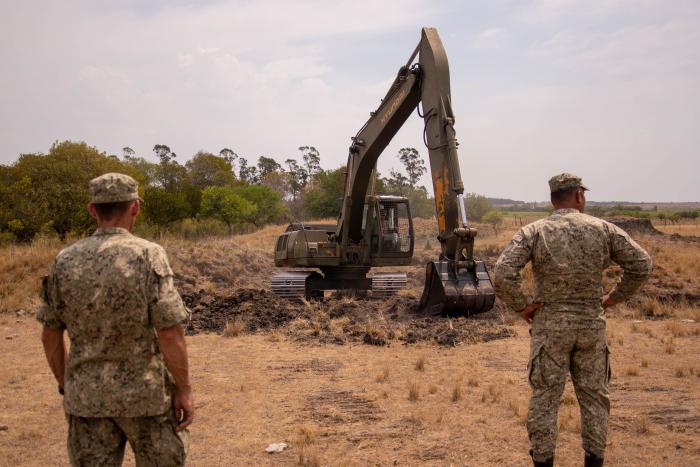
501 203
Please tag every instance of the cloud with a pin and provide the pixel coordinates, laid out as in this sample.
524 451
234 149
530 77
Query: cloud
490 38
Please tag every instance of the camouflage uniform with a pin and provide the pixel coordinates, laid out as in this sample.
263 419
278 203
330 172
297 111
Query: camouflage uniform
111 292
569 252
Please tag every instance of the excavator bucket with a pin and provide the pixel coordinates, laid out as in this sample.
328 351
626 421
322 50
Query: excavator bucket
463 292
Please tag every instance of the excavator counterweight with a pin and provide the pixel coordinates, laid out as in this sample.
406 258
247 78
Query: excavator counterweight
375 231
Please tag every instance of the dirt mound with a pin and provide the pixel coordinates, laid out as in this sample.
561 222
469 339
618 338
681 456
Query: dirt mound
634 225
339 320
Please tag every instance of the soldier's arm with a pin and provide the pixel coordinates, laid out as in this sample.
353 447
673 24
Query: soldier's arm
56 353
508 270
172 344
635 263
166 312
52 333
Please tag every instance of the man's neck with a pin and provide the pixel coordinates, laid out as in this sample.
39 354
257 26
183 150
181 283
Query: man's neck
121 223
567 206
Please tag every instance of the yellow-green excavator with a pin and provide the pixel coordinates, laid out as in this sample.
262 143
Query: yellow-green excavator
377 230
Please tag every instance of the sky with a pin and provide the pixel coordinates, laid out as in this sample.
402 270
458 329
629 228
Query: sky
607 89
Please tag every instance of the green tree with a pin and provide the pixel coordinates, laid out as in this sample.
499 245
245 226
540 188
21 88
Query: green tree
162 207
50 191
268 202
312 160
206 169
476 205
247 173
421 204
298 177
222 203
397 183
228 155
267 165
494 218
414 165
325 194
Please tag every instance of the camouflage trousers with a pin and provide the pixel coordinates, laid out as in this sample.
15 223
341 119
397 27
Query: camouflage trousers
553 355
101 441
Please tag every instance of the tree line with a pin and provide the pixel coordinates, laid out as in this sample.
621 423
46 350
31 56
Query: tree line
47 193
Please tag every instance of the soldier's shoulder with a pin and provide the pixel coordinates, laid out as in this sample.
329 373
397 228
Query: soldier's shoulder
80 248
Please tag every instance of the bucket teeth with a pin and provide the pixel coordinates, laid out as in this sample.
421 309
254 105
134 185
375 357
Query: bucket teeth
466 292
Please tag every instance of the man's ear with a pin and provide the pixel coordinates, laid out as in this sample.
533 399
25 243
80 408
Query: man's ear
135 208
91 209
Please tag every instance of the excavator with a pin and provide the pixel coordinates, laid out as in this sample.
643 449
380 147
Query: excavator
377 230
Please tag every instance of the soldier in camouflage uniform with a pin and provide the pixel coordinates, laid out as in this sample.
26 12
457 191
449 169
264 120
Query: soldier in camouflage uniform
126 377
569 251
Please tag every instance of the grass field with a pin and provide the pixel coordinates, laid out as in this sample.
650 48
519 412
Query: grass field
356 404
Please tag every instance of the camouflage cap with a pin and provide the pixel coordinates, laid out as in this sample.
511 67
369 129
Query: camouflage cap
113 188
565 181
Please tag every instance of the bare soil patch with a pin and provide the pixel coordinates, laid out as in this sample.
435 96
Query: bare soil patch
339 321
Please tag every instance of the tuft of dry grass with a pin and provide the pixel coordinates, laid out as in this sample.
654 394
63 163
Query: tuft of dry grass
641 425
632 371
420 363
309 457
305 436
670 348
413 391
457 393
432 389
473 382
383 376
494 393
234 329
645 363
680 373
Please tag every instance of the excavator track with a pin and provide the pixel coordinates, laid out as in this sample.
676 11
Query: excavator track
387 284
291 284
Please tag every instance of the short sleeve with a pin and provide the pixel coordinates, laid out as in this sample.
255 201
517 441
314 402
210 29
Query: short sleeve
49 312
166 308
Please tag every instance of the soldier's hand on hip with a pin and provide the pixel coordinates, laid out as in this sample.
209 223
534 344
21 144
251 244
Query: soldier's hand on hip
607 302
528 312
183 402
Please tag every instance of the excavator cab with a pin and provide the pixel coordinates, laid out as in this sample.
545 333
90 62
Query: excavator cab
391 229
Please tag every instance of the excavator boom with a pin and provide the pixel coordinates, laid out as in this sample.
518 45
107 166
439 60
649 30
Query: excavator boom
456 282
377 230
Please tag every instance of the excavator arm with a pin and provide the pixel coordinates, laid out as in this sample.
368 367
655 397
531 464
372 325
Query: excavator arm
455 282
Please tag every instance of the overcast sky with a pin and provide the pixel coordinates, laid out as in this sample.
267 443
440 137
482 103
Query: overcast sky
608 89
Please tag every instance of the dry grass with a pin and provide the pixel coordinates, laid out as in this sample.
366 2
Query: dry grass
641 425
670 348
234 329
383 376
21 269
320 397
413 391
632 371
420 363
457 393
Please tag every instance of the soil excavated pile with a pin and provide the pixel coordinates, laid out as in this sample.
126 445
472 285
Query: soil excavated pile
338 321
634 226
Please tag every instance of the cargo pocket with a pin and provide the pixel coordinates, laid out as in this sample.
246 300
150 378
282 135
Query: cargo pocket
534 371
